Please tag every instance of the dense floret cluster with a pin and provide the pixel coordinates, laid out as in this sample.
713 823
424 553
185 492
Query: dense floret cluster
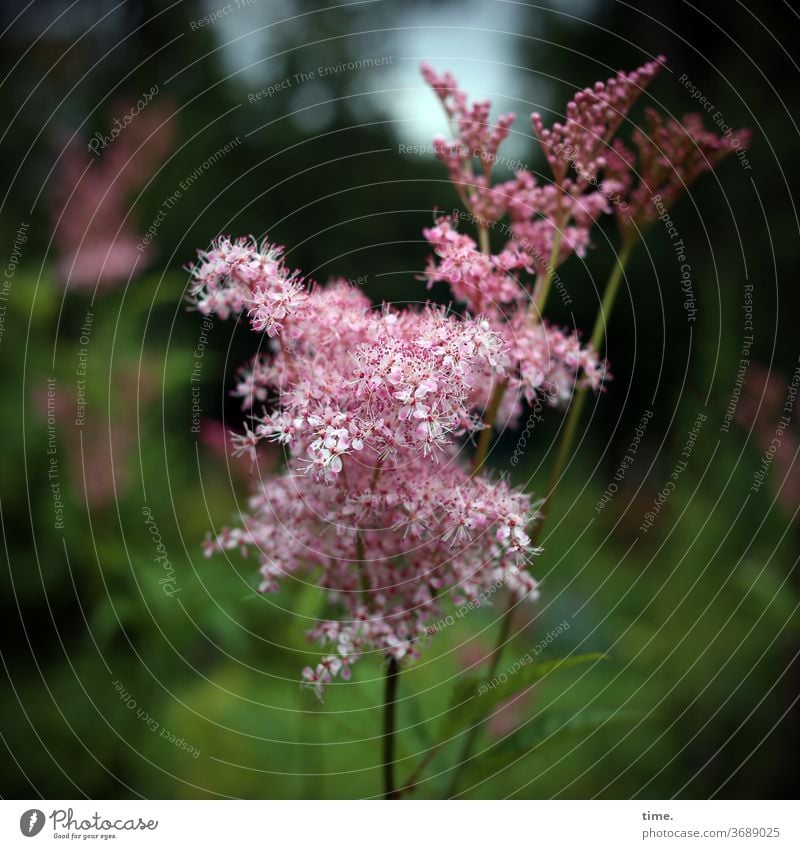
376 407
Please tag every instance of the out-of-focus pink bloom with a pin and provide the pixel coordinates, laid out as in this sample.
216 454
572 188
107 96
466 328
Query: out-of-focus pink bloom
768 407
99 450
220 443
92 200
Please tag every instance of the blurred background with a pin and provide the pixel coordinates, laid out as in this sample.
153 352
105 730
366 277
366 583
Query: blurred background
135 133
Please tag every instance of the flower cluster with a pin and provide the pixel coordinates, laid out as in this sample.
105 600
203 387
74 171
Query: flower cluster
593 171
669 157
484 282
550 221
591 121
371 407
232 275
545 214
542 360
477 139
374 407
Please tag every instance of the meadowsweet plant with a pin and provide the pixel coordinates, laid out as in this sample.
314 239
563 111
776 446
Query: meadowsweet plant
386 416
96 237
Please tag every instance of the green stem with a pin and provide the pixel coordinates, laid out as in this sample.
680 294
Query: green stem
483 238
389 789
564 449
494 661
489 417
540 292
544 281
472 733
610 294
490 414
598 335
411 783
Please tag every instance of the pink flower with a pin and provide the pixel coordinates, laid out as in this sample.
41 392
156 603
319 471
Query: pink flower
550 362
591 121
539 211
669 157
371 408
542 215
478 139
232 276
482 281
91 200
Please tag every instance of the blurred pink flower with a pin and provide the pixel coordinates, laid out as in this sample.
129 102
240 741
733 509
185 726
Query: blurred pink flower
218 441
768 405
98 451
93 196
509 715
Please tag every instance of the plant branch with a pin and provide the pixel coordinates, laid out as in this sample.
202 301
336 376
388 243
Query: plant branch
610 294
574 416
489 417
543 281
389 789
483 238
564 449
540 291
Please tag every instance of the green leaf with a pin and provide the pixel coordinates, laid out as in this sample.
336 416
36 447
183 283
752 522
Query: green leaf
551 726
474 698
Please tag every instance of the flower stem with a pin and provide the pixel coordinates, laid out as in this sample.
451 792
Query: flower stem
389 789
490 414
543 281
538 299
564 449
483 238
610 294
489 417
598 335
472 733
